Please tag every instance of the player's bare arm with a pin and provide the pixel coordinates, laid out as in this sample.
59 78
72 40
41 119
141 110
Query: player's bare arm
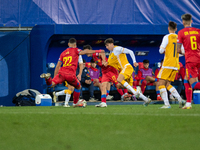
80 71
103 56
87 51
106 64
179 48
57 68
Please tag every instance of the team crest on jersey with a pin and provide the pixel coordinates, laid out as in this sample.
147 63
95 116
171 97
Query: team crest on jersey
67 52
79 50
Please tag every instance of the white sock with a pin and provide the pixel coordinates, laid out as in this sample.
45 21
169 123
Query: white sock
135 92
175 94
163 93
129 88
60 93
143 97
67 98
188 104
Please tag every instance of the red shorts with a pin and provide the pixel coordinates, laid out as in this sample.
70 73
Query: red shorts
192 69
70 78
109 77
150 83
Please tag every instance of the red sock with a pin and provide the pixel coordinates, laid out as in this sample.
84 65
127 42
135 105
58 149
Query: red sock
120 92
135 84
125 91
49 81
188 92
103 98
76 95
197 86
143 86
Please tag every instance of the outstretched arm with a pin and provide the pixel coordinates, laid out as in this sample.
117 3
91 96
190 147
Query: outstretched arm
130 52
87 51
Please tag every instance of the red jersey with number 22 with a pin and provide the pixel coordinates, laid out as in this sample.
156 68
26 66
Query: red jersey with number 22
69 58
190 38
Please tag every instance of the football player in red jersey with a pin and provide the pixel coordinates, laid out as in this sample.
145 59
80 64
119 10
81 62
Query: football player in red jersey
67 72
189 37
109 74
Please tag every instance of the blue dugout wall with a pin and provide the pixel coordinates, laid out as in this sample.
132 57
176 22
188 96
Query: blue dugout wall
14 65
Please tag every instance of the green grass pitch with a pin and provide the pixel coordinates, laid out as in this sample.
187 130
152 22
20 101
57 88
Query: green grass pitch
117 127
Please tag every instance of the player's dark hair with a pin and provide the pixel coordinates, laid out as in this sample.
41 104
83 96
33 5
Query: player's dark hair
172 25
109 40
146 61
87 47
161 60
84 61
92 61
72 41
186 17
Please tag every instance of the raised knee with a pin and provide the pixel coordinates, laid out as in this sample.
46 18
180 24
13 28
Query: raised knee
119 86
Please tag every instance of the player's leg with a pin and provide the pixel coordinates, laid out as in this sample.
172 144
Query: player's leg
163 92
108 97
56 94
103 95
104 87
163 76
126 74
188 92
48 79
73 81
124 95
191 75
175 93
157 90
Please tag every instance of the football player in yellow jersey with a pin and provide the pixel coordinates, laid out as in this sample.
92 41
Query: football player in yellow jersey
118 60
170 66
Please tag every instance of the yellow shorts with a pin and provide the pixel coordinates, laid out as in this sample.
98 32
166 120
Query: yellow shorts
127 73
167 74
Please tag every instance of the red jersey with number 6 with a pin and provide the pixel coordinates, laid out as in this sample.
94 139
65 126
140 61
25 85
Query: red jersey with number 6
190 38
69 58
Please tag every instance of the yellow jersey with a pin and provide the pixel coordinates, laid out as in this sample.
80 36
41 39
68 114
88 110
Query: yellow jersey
169 46
118 59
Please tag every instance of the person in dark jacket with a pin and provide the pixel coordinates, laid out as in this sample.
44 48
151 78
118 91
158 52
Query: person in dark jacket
86 82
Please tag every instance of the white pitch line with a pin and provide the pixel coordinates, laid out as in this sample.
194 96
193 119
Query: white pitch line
95 113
